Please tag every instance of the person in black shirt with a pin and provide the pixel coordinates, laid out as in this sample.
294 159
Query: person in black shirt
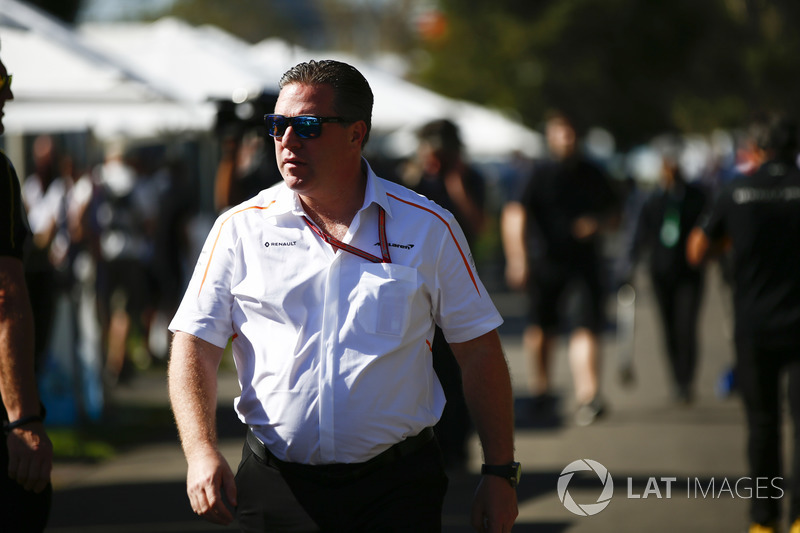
442 174
664 223
26 454
551 238
758 217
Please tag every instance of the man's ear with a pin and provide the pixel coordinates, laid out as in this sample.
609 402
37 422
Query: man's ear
359 131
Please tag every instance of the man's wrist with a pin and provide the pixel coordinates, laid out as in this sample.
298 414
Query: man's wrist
25 420
511 472
8 427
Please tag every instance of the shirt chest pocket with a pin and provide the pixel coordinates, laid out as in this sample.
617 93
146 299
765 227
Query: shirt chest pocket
384 297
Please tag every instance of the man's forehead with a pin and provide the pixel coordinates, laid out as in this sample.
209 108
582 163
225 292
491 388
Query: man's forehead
305 94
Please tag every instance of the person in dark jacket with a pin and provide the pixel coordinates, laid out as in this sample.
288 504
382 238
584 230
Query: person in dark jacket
757 218
664 223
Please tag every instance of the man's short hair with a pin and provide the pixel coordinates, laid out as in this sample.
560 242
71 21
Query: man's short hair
353 97
779 134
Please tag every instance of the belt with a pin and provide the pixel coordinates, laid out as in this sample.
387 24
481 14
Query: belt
341 471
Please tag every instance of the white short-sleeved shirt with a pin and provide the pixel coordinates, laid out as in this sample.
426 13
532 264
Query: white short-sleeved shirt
333 352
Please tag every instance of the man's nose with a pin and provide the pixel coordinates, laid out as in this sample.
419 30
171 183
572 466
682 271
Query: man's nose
290 138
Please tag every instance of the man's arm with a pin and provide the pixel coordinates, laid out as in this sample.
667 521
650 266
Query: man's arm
30 452
487 390
700 247
193 395
512 227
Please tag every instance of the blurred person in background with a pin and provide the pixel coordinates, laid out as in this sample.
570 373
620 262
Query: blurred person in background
665 220
44 192
757 218
441 174
26 454
126 222
177 203
246 167
552 241
332 341
83 254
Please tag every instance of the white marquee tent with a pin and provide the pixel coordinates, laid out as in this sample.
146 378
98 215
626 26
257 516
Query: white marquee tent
402 107
207 63
62 84
146 79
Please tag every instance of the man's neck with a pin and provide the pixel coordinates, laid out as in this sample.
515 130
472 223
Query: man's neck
334 213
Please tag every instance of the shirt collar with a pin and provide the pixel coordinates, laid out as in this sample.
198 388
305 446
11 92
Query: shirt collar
287 201
375 192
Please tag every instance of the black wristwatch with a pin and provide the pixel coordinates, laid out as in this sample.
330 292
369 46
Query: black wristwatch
511 472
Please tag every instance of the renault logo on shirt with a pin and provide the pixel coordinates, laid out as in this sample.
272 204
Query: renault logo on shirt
395 245
285 243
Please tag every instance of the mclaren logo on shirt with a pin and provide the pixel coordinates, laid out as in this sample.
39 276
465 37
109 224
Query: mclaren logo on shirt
285 243
395 245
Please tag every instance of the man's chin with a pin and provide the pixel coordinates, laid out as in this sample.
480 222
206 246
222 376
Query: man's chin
295 183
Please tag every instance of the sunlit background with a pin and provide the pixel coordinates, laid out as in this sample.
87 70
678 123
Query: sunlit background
171 85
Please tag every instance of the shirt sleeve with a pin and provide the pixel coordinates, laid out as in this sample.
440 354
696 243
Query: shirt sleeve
206 308
462 306
13 223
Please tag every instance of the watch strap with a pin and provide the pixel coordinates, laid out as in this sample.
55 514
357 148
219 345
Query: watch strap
510 472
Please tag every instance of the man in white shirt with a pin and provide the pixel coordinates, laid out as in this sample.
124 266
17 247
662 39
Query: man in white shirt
330 285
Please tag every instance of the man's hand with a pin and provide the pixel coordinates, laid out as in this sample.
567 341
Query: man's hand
209 483
494 508
30 457
584 228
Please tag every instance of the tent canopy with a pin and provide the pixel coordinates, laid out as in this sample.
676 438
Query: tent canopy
146 79
62 83
209 63
402 107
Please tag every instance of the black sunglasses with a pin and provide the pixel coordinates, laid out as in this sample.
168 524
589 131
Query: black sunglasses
5 81
305 126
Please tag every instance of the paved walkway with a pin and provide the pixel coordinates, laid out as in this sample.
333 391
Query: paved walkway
644 442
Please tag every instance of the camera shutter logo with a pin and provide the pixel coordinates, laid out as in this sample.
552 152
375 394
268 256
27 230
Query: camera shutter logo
588 509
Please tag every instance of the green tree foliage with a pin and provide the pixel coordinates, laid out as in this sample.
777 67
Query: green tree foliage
251 20
635 67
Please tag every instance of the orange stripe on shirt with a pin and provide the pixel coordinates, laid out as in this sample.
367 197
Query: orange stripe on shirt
460 251
213 248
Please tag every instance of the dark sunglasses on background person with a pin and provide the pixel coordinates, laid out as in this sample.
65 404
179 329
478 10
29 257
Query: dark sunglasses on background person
305 126
5 81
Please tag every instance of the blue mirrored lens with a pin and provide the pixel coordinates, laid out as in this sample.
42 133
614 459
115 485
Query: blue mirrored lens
276 125
307 127
304 127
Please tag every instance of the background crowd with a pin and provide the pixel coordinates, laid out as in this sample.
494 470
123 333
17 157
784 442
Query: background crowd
117 224
116 233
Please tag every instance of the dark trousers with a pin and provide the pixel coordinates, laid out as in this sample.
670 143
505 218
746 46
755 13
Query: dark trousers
404 496
679 306
759 372
21 511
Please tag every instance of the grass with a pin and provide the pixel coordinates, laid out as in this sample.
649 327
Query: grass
123 426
